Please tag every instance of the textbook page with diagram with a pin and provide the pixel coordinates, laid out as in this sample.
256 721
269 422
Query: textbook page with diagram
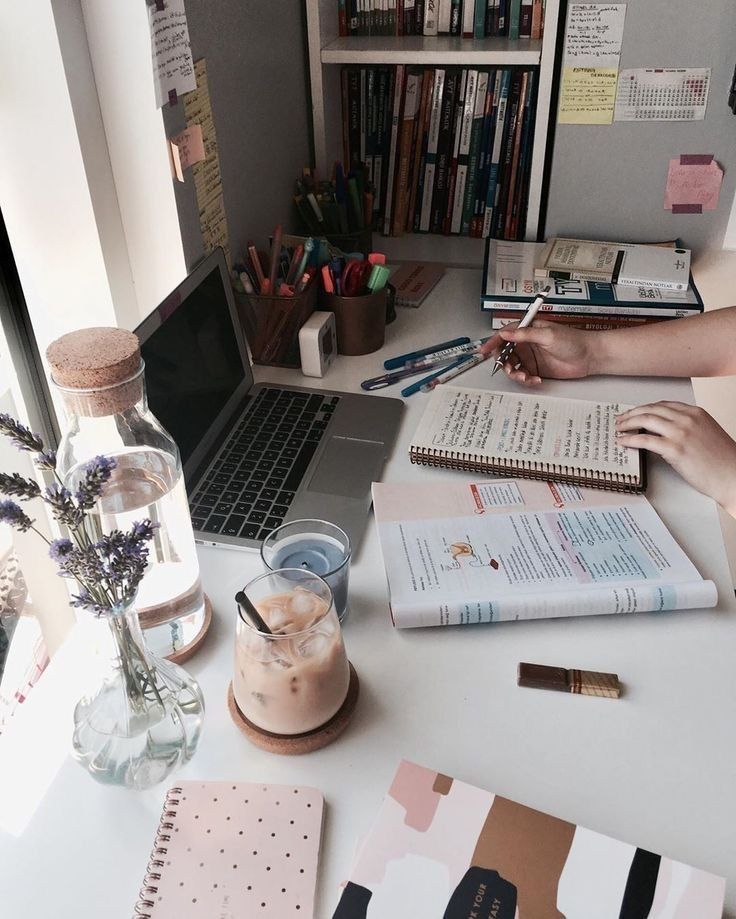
500 550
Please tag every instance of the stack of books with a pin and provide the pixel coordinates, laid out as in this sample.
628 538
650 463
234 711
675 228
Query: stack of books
514 272
447 149
512 19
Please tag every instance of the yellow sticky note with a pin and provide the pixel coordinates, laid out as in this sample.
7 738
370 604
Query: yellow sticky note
587 95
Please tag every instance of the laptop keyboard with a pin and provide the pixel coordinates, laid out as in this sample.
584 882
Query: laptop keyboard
253 479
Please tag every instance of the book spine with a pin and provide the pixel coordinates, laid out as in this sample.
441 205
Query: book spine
472 175
411 99
444 16
525 19
386 139
507 149
536 19
595 310
514 15
409 17
419 17
417 161
342 18
501 91
353 116
515 155
479 22
430 17
371 122
503 17
444 143
363 113
468 18
455 14
466 128
587 323
519 208
431 157
484 160
452 175
395 118
380 149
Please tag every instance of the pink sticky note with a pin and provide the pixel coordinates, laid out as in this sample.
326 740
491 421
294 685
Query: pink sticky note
693 184
187 149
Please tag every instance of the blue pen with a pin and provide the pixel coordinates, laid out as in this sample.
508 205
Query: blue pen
393 363
416 387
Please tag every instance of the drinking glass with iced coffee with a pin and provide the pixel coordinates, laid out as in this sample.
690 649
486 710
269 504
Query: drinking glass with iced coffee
294 678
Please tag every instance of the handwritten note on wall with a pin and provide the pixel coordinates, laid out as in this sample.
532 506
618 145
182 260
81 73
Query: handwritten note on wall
207 181
593 36
173 68
693 184
187 148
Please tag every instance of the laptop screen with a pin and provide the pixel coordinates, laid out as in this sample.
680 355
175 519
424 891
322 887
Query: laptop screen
196 366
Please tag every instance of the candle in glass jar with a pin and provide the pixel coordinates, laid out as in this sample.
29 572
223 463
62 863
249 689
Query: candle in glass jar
316 546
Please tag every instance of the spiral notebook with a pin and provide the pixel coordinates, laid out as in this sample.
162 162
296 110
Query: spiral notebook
527 436
234 849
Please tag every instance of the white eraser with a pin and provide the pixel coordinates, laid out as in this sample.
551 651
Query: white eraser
317 343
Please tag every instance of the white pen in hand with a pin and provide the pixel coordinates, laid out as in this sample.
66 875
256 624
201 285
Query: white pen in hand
531 312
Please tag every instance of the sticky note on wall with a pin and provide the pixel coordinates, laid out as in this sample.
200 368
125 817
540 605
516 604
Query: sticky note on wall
187 148
693 184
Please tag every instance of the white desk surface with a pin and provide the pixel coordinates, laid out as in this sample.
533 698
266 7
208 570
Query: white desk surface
656 768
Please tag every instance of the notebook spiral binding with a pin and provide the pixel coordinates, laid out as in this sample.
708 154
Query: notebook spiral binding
524 469
153 875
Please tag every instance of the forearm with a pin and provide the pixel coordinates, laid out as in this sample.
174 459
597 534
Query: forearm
698 346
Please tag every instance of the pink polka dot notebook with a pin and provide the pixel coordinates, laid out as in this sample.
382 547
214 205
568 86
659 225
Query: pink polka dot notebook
226 850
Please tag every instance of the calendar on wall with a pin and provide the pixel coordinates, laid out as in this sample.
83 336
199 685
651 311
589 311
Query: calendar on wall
662 95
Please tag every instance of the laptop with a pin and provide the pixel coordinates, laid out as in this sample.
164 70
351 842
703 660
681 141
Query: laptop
255 455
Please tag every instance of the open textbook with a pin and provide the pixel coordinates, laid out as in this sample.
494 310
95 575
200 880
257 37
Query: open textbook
443 849
459 552
535 436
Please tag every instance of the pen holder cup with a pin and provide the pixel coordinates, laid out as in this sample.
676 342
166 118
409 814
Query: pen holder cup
360 321
271 324
360 241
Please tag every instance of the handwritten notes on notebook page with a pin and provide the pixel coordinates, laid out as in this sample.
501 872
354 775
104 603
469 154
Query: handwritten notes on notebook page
502 426
593 38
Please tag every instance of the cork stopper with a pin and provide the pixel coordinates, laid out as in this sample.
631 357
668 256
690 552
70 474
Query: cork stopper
103 364
93 358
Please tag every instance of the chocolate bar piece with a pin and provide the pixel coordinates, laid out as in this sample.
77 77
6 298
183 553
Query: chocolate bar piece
584 682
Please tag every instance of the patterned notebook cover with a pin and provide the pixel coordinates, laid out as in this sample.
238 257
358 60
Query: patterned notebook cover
441 849
227 850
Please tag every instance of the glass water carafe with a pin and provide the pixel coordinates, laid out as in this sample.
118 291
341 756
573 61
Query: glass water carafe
100 377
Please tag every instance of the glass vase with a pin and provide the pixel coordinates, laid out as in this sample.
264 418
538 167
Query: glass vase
99 376
143 719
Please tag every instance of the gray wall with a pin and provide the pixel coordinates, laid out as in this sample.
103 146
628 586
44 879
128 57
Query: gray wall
257 74
608 181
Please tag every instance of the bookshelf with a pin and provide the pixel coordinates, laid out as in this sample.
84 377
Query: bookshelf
327 52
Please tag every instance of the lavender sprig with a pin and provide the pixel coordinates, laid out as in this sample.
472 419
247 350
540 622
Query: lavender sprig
13 513
107 571
19 487
46 460
97 474
21 436
63 506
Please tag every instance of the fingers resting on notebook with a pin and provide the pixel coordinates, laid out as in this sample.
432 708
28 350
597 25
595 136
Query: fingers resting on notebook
690 440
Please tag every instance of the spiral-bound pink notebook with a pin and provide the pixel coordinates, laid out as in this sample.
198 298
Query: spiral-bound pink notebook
234 849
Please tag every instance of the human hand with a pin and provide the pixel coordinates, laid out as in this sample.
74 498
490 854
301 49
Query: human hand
545 349
690 440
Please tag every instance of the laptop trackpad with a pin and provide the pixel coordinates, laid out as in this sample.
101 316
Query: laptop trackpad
348 467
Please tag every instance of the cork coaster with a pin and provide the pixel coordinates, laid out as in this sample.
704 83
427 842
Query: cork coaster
186 651
292 745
